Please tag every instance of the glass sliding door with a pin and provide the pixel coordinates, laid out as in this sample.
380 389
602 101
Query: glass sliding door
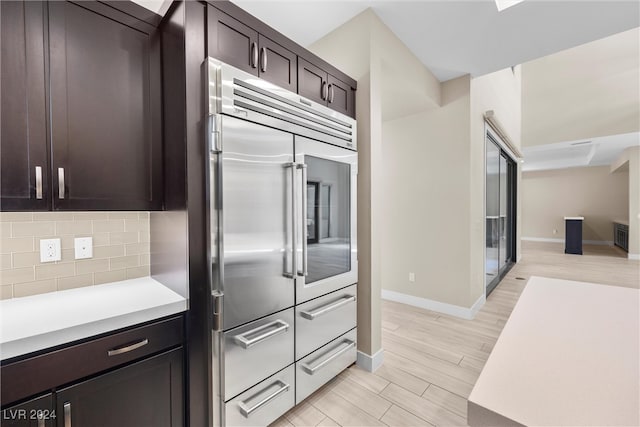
492 211
499 213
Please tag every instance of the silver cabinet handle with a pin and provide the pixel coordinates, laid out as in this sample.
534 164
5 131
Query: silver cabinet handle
263 59
61 183
313 369
331 93
67 414
323 95
116 351
310 315
305 236
38 182
246 412
41 419
254 54
263 332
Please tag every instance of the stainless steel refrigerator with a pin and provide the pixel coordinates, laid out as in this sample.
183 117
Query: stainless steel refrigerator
283 248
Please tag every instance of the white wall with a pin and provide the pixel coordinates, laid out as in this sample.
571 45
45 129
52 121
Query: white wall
584 92
593 192
426 209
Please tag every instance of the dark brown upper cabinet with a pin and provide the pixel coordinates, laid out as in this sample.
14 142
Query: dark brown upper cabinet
236 44
319 86
105 109
24 168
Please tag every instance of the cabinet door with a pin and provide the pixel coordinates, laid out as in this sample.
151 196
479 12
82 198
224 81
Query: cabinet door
232 42
277 64
145 394
38 412
311 82
105 109
23 140
341 98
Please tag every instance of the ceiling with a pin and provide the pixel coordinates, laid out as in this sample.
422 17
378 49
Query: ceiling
599 151
454 38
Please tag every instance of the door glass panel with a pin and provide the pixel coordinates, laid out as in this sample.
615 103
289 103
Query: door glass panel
492 220
503 225
328 214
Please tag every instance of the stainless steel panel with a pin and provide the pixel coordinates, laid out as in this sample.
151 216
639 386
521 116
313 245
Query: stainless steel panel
323 364
323 319
256 221
331 259
254 351
265 402
240 94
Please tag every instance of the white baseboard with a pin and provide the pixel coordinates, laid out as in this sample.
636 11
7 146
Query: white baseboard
370 363
635 257
441 307
584 242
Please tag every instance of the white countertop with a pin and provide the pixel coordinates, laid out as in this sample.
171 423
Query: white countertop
568 355
41 321
620 221
580 218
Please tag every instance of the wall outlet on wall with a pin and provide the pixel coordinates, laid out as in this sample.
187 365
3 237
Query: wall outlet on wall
555 231
50 250
83 247
412 277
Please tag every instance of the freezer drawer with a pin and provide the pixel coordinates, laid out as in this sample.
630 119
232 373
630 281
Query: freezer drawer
256 350
323 364
264 403
323 319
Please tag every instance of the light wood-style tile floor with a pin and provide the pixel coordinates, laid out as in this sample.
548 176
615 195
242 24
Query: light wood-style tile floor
432 360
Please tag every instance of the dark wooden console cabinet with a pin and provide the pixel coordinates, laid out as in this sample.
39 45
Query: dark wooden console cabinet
83 383
81 108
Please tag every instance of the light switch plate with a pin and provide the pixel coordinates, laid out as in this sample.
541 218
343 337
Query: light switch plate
50 250
83 247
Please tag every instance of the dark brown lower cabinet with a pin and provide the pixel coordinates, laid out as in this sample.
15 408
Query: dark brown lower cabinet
38 412
148 393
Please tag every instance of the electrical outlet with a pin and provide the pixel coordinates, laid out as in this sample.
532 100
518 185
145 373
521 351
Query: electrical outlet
412 277
555 231
50 250
83 247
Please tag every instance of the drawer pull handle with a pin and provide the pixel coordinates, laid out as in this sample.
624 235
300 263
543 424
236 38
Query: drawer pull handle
67 414
41 419
263 332
246 412
310 315
116 351
313 369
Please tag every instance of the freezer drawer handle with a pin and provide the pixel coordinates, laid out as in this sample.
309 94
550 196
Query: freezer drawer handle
245 342
310 315
312 370
134 346
246 412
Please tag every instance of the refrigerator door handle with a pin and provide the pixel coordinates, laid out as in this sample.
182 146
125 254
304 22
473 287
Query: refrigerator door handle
294 222
304 272
263 332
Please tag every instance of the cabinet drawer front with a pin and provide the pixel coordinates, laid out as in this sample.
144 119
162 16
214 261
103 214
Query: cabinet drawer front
254 351
34 375
322 365
324 319
264 403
